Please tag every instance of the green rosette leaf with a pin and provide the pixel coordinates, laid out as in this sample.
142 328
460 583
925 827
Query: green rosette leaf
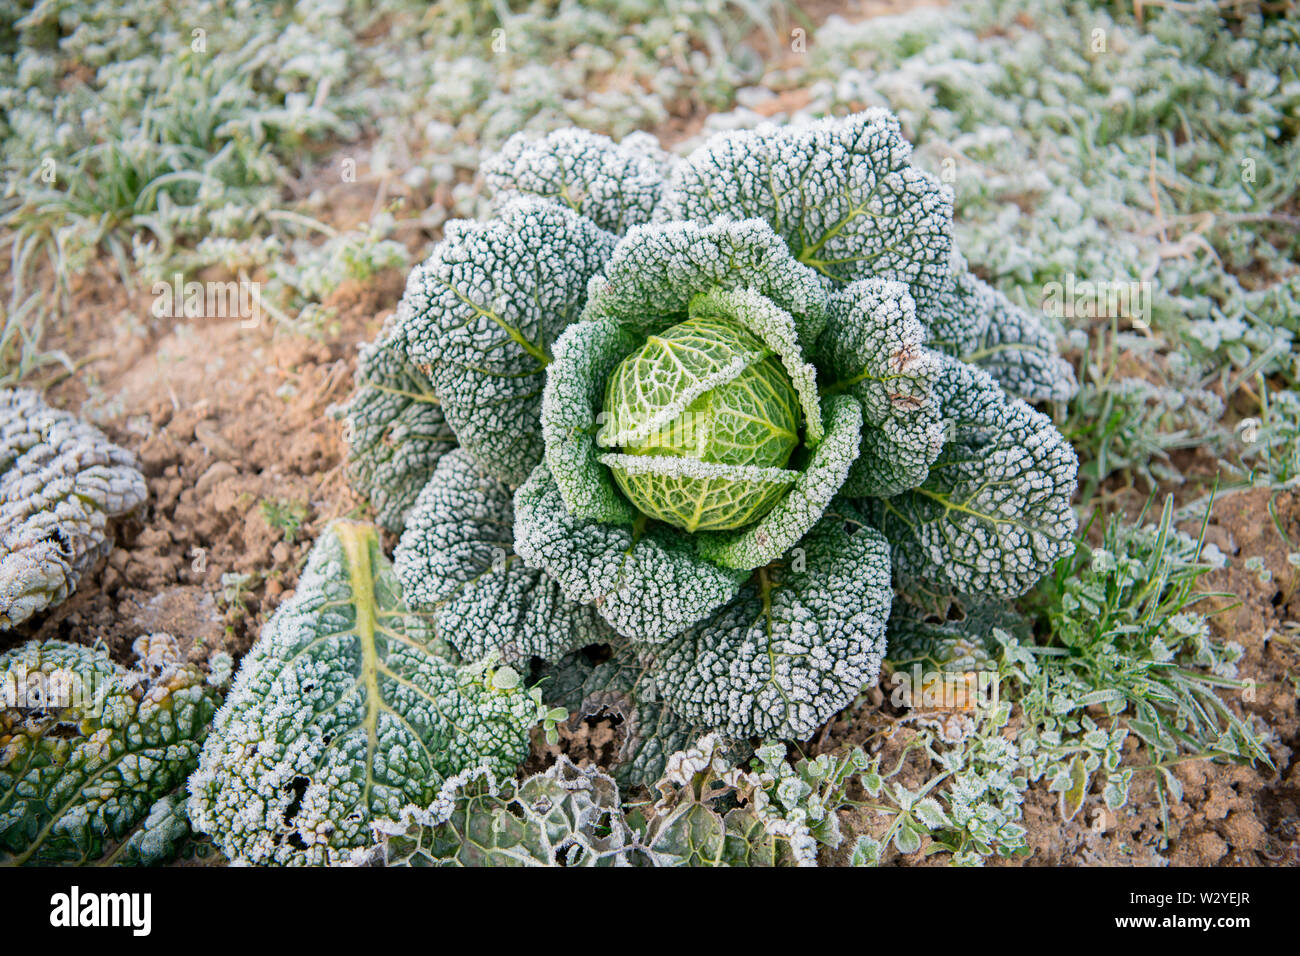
457 565
798 643
994 514
645 578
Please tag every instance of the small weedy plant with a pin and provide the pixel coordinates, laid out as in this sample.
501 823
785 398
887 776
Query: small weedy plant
707 811
159 132
346 710
1131 643
1127 656
61 481
93 756
709 413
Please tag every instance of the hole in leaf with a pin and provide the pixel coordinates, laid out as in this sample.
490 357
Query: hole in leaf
298 785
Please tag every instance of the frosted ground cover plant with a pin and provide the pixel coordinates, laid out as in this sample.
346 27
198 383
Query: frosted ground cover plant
696 418
1161 153
163 133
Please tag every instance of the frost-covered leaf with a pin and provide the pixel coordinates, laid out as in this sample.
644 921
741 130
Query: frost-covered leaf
480 316
567 816
163 835
572 418
712 813
87 746
995 512
61 481
615 185
955 635
873 350
645 579
395 429
866 851
341 714
798 644
929 812
841 192
657 270
907 840
457 565
976 323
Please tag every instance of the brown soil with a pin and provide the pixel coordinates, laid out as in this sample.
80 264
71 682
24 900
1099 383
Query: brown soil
229 423
1229 815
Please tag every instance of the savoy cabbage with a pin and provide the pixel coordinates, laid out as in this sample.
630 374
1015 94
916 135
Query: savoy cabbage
710 413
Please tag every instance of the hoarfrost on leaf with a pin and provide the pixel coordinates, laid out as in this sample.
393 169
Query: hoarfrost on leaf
61 481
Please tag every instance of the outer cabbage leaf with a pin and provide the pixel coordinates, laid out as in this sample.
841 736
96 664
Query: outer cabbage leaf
87 747
976 323
803 505
163 835
61 481
995 514
614 185
621 685
656 271
395 429
341 714
645 579
873 350
710 812
798 643
481 315
840 192
571 419
456 563
567 816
